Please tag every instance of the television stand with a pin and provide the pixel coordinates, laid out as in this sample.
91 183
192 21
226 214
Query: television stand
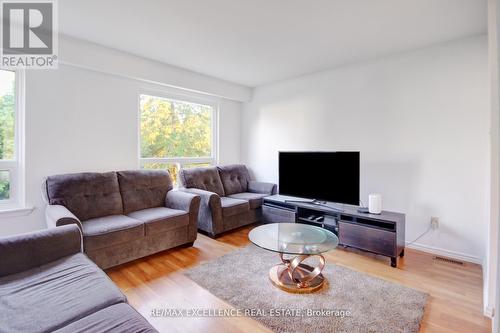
328 205
300 201
382 234
314 202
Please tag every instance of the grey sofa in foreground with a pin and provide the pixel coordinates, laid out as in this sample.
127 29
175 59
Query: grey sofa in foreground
48 285
123 215
229 199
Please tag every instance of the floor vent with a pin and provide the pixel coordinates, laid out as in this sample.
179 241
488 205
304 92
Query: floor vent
448 260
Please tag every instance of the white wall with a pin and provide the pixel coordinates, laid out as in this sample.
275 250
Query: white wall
79 119
92 56
492 255
420 120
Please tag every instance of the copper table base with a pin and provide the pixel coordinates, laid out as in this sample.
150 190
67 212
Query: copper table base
295 277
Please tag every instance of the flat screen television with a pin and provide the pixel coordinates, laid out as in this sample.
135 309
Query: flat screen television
325 176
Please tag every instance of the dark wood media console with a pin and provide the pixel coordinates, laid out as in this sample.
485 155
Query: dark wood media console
382 234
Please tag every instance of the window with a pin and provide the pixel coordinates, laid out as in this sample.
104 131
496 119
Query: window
176 134
10 139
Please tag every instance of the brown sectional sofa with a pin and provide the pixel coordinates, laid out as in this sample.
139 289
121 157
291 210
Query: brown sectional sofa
229 198
48 285
123 215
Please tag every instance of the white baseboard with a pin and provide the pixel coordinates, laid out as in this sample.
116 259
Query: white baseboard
446 253
489 311
487 307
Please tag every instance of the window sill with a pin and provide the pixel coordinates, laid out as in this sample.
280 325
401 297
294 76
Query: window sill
15 211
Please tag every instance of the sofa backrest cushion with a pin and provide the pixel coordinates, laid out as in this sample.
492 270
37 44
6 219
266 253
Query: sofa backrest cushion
234 178
206 178
143 189
87 195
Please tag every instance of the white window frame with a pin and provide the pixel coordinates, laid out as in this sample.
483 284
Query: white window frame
16 165
181 161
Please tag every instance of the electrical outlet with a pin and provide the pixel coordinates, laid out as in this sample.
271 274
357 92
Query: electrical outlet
434 222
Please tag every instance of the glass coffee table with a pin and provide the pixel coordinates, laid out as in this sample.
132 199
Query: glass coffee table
301 241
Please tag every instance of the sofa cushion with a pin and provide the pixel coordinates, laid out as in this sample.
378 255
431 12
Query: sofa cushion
110 230
161 219
207 179
143 189
118 318
254 199
87 195
234 178
232 206
51 296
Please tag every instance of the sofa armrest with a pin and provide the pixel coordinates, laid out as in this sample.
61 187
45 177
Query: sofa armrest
57 215
182 200
25 251
188 202
261 187
210 213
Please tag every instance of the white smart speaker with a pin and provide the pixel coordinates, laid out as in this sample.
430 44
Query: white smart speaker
375 203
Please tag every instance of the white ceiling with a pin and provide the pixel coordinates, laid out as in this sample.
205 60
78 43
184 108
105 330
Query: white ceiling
254 42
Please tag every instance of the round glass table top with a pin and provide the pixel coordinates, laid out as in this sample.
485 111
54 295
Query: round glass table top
293 238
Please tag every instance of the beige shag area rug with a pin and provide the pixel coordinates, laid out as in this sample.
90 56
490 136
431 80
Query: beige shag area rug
350 302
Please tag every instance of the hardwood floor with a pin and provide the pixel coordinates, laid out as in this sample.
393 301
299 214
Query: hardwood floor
455 303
